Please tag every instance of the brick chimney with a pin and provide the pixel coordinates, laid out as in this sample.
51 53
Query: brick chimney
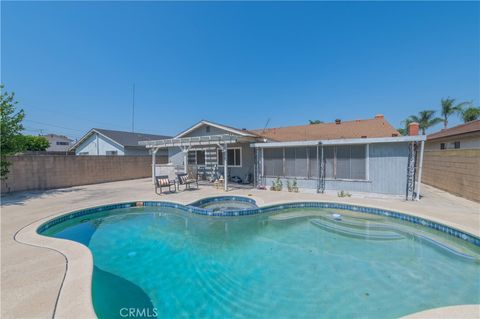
379 116
413 128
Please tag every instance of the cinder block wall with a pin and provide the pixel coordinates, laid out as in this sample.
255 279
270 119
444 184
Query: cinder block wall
455 171
37 172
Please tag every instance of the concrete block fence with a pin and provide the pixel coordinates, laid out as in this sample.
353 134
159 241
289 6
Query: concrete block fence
38 172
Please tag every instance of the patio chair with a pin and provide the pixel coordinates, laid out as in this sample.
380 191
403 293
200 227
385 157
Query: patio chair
183 179
163 181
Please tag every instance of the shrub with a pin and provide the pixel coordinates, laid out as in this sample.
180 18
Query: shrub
295 186
289 186
31 143
344 194
277 185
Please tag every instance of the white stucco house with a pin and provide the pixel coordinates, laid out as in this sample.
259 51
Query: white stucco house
58 143
109 142
463 136
364 156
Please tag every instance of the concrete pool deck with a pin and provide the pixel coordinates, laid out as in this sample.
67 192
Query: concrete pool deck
43 275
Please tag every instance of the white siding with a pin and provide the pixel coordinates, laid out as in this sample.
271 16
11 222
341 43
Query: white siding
98 145
465 142
387 173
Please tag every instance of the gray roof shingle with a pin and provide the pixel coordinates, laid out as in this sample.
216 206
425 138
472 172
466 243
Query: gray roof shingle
129 139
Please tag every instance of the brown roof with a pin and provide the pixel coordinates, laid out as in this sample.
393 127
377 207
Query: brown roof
376 127
469 127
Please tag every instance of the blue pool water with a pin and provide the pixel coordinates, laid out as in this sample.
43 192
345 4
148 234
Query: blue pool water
296 263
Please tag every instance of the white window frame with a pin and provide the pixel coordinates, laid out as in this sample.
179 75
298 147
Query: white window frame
230 148
112 153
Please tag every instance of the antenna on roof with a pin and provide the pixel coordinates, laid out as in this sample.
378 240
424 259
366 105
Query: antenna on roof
133 108
266 124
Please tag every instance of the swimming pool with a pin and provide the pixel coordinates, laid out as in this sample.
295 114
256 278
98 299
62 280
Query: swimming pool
309 260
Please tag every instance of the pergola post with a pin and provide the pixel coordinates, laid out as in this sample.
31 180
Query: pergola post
263 166
225 169
420 165
185 159
154 155
318 170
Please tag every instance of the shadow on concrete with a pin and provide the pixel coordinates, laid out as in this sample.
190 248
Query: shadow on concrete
20 198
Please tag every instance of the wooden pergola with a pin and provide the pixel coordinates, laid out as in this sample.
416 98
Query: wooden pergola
186 143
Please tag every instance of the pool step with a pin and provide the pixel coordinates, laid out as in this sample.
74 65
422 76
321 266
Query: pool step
355 233
321 214
357 223
445 248
374 231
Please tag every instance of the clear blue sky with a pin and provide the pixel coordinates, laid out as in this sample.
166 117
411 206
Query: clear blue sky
72 65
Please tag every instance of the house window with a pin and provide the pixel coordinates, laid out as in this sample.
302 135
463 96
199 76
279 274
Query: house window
62 143
329 161
456 144
350 162
273 161
196 157
207 129
111 153
234 157
83 153
312 162
442 146
296 162
341 162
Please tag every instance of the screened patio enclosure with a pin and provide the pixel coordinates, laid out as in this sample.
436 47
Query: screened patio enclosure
209 152
378 165
342 161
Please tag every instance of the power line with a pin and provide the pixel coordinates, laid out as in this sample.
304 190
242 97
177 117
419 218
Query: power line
56 112
54 125
36 130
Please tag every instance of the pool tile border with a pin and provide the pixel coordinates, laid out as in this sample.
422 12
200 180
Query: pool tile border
266 209
214 199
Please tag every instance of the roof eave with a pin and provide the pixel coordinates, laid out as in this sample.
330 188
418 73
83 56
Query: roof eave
93 130
219 126
452 135
345 141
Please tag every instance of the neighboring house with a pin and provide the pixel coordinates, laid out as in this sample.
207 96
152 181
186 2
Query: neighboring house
58 143
463 136
354 156
452 160
108 142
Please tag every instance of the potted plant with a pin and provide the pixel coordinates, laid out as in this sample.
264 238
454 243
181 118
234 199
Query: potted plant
295 186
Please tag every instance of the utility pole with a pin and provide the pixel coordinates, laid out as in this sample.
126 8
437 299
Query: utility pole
133 108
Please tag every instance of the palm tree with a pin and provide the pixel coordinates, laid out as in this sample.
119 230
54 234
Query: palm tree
449 108
471 113
404 130
425 119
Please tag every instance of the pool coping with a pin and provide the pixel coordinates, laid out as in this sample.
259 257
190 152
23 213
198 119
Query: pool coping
74 296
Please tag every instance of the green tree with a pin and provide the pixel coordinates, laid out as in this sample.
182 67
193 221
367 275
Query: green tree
315 121
425 119
449 108
31 143
404 130
470 114
11 126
